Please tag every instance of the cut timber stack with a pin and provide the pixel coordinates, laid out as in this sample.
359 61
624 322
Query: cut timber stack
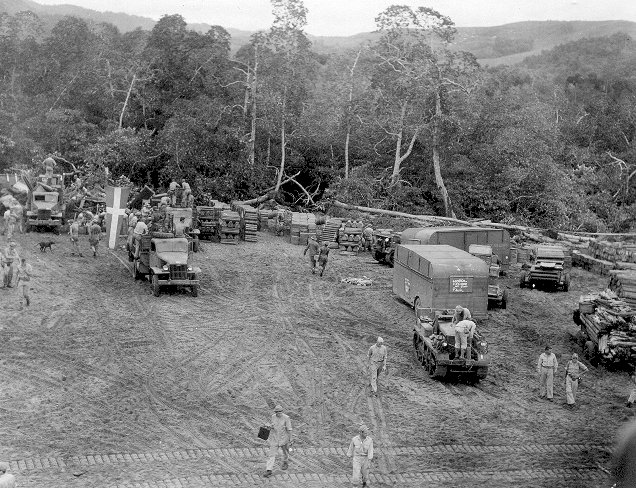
592 264
207 222
330 232
611 325
229 227
302 226
623 283
263 217
350 236
613 251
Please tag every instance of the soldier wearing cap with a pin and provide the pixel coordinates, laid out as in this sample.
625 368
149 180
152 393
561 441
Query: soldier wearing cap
7 480
361 450
314 249
547 368
11 261
574 369
73 232
280 435
377 362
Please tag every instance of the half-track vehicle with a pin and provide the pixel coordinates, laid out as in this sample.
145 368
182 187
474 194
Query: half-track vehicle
550 268
384 243
434 343
166 261
45 208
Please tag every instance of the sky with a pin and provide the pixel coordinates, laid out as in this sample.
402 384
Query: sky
348 17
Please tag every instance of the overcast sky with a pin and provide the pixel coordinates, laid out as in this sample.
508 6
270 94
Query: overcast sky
347 17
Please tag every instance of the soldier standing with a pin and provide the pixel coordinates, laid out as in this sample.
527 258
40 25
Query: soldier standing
464 331
574 369
74 236
367 238
11 259
361 450
314 249
547 368
172 192
94 235
24 272
377 362
132 223
186 191
280 435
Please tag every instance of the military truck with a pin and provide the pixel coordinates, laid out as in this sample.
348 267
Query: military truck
45 208
550 268
434 343
166 261
385 241
497 293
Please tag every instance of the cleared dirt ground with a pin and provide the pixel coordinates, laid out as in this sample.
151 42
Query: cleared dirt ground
105 385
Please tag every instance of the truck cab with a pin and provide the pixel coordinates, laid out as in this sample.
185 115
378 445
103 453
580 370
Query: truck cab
45 208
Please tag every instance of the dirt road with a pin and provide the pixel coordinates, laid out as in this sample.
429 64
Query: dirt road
105 385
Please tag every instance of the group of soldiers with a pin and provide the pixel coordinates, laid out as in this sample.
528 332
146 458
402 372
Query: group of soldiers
94 224
15 272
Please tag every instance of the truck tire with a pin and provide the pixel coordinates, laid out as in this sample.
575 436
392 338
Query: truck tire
504 299
390 258
195 290
566 283
156 290
522 280
416 304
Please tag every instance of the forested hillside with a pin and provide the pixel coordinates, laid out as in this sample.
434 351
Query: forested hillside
398 124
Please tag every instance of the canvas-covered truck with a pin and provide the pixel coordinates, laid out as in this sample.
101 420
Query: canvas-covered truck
440 277
550 268
166 261
462 238
434 343
45 208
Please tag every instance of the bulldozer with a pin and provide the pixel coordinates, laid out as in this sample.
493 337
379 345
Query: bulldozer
384 243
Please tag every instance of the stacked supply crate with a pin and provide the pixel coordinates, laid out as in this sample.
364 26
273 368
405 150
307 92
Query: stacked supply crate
302 226
207 221
229 227
249 221
350 236
330 232
263 217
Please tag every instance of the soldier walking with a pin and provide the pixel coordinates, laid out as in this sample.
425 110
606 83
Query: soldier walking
323 257
314 250
377 362
574 369
94 235
547 368
280 436
361 450
74 236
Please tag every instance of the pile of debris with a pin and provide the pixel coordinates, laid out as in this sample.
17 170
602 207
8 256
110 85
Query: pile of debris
611 324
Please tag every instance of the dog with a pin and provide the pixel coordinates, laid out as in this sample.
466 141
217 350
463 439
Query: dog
44 244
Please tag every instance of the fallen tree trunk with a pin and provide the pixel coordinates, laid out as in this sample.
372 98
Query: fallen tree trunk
393 213
271 192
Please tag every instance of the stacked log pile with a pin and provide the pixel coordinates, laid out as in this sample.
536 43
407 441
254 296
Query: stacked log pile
611 325
229 227
590 263
302 225
613 251
623 283
350 236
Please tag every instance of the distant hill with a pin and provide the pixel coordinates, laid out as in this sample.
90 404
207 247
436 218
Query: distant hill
504 44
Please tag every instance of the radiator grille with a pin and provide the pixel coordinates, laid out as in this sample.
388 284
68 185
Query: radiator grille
178 272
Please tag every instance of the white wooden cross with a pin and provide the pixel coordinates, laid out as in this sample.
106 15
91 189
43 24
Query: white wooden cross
115 211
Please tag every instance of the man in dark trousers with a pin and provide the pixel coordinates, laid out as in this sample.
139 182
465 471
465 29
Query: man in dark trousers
314 250
323 257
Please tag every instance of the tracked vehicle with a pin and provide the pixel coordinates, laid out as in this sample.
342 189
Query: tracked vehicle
550 269
434 343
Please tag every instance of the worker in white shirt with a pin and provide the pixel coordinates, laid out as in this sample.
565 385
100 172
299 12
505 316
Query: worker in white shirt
377 362
464 331
186 191
361 450
547 368
140 229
